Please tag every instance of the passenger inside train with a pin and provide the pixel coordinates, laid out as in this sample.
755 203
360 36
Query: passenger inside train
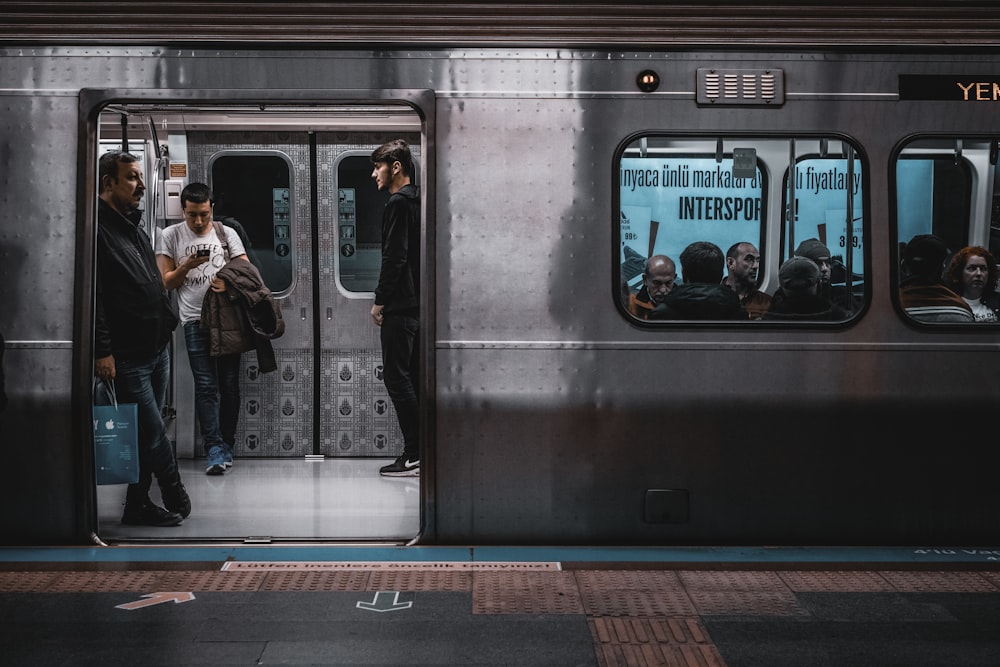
922 292
701 294
659 274
742 262
800 296
972 273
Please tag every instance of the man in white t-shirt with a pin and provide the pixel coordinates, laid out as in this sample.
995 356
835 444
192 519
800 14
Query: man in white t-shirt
189 254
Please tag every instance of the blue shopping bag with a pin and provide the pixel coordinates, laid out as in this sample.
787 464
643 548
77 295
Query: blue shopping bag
116 437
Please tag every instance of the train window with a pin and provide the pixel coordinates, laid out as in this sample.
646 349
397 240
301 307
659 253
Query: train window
692 199
359 222
256 190
945 204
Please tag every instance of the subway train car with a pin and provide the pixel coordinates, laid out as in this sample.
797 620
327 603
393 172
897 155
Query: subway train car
558 148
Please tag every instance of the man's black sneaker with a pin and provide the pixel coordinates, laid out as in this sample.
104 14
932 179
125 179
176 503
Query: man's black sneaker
176 499
401 467
150 515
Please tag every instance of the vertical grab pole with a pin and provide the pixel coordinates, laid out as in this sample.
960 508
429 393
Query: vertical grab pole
791 197
849 236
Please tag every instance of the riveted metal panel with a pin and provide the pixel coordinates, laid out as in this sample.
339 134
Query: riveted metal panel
37 289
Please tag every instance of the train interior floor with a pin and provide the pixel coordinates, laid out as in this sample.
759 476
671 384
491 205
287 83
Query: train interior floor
375 604
259 499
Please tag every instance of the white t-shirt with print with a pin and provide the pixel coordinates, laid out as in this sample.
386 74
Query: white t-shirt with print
982 312
178 243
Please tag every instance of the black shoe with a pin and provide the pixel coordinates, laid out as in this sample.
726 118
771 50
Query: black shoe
150 515
401 467
176 499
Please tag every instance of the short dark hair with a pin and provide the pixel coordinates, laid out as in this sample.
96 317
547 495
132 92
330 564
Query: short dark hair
924 255
734 250
396 150
196 193
108 165
702 262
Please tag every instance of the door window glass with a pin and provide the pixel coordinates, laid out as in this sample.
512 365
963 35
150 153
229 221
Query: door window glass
256 190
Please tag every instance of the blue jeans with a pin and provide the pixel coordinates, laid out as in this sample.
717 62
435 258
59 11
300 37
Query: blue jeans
401 375
216 388
144 382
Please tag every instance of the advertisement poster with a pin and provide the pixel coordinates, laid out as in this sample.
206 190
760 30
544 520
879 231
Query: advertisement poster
670 202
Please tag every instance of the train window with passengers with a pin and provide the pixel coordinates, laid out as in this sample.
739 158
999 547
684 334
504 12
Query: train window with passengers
749 229
947 224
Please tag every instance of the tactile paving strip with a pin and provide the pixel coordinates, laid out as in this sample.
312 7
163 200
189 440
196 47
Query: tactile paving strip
939 582
420 581
211 581
836 582
73 582
525 593
992 577
633 593
26 582
740 593
653 642
346 580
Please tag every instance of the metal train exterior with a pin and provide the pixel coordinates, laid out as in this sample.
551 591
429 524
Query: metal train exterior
552 416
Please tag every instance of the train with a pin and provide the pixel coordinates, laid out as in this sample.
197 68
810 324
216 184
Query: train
551 164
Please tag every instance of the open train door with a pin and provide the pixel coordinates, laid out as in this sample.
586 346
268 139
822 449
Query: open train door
295 176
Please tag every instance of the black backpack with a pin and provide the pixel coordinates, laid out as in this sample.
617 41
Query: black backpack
232 222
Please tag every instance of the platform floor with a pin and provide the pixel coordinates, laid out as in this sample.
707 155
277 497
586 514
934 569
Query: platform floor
371 605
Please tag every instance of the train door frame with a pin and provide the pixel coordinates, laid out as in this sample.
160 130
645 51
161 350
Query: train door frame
92 102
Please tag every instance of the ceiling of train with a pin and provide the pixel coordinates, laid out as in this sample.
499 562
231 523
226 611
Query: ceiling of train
151 119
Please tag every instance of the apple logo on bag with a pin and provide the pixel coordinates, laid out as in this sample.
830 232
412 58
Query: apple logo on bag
110 424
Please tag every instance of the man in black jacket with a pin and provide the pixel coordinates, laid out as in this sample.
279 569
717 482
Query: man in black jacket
700 296
397 298
134 321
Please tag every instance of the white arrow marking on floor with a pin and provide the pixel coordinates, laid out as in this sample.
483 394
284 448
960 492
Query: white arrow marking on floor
385 605
157 598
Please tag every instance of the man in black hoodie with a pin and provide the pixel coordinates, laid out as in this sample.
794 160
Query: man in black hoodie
799 298
922 291
701 296
134 321
397 298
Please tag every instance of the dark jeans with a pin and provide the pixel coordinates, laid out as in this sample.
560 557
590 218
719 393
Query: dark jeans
401 375
216 388
144 383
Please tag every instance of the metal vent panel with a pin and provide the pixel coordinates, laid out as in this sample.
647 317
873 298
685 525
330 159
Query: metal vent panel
764 87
